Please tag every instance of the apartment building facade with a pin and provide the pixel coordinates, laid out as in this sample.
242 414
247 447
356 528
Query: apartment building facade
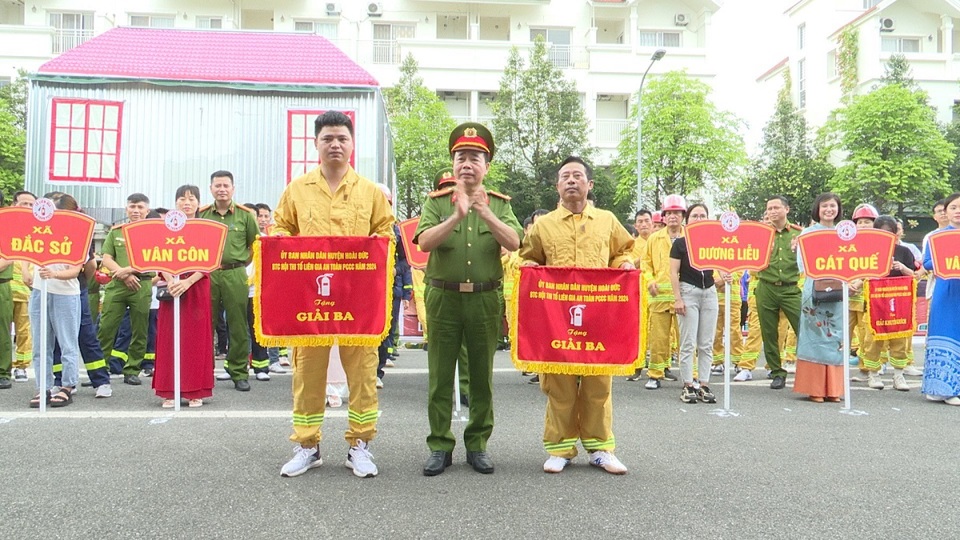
604 46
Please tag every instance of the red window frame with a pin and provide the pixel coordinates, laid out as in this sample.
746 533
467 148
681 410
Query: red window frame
303 143
80 141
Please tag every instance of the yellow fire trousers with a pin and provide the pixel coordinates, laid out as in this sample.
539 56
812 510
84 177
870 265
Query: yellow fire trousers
578 408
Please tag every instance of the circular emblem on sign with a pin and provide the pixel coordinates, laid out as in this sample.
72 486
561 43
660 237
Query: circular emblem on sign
43 209
175 220
846 230
730 221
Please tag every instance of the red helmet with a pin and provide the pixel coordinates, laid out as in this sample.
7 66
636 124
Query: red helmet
101 277
865 211
674 202
656 217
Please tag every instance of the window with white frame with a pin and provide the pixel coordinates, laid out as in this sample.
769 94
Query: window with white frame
386 50
71 29
85 140
321 28
210 23
801 35
801 83
153 21
900 44
302 155
558 41
659 39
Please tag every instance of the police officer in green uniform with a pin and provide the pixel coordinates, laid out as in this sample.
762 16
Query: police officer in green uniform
463 227
228 285
128 289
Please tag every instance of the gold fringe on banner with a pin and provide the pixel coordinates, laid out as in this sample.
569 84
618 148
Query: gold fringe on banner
891 335
568 368
320 340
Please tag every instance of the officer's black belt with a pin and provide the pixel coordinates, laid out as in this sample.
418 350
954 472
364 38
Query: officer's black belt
781 283
465 287
231 266
4 280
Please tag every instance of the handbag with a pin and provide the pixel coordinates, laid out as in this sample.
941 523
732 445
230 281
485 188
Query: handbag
827 290
163 293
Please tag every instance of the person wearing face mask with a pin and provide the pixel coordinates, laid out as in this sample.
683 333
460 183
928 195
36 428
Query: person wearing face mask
196 332
697 311
820 339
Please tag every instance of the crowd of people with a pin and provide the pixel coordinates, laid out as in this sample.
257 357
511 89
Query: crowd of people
472 236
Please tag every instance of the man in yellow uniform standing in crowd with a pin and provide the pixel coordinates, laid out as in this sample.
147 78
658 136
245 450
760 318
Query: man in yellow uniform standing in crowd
578 235
656 268
229 291
463 228
643 222
333 200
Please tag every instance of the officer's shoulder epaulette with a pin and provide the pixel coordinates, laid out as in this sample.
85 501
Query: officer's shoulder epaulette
498 195
117 226
441 192
796 227
248 209
204 208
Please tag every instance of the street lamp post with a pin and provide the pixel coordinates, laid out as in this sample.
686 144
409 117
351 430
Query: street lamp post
657 55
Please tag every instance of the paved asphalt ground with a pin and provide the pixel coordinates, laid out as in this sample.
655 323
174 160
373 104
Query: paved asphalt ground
781 467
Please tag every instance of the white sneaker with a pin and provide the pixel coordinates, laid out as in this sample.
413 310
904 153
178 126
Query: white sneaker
931 397
20 375
790 367
862 376
899 383
223 376
379 383
555 464
955 401
389 363
334 400
717 369
652 384
303 460
873 381
263 376
744 375
360 460
284 361
913 371
607 462
277 368
104 391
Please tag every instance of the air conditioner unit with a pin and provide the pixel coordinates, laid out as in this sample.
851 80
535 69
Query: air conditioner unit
375 9
886 25
333 8
681 19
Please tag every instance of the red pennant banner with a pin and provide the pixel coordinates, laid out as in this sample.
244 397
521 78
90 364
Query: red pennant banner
826 254
312 290
195 246
577 321
713 246
415 257
55 237
945 252
891 307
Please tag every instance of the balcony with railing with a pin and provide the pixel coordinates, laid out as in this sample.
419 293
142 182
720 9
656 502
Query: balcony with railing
65 39
609 131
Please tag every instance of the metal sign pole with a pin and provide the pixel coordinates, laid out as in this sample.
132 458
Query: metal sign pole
41 373
726 346
176 349
846 346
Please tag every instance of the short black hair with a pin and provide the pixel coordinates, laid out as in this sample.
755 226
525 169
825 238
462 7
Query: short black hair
782 198
187 188
17 194
332 119
537 213
885 222
138 198
161 211
263 206
576 159
824 197
941 202
221 174
641 212
690 208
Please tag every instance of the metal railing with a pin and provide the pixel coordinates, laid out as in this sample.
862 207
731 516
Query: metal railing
609 130
66 39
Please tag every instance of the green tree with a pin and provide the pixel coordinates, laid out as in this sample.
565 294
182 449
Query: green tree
952 133
786 165
538 121
688 144
13 134
421 126
896 156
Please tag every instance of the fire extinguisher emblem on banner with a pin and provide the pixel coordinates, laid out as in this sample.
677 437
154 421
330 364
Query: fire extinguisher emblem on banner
576 315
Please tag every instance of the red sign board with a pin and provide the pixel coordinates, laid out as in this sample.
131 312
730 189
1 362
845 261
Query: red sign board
868 254
567 314
945 252
312 290
415 257
712 246
62 238
154 246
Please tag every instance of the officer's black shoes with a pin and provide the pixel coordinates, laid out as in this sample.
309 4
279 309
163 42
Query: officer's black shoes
242 385
437 463
778 382
132 380
480 461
